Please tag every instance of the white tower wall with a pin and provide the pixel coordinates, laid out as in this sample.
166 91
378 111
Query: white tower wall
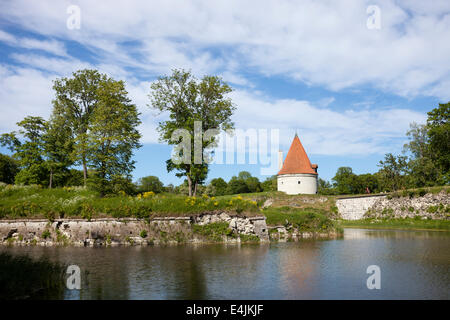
299 183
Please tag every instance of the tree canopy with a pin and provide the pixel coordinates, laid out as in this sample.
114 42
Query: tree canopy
194 106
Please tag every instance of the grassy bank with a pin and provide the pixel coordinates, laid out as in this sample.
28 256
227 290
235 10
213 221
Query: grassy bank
35 202
406 223
22 277
309 213
310 219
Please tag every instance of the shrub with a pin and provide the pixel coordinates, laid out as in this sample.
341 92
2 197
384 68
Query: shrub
422 192
249 238
213 231
143 234
87 211
432 209
304 219
45 234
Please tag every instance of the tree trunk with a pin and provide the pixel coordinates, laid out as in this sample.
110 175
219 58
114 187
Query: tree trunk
84 171
51 179
195 189
189 185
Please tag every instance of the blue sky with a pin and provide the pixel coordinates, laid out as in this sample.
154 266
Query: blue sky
297 66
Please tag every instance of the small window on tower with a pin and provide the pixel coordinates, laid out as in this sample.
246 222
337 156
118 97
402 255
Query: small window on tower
298 181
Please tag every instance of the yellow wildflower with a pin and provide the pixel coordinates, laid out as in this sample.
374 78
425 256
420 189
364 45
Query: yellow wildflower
149 194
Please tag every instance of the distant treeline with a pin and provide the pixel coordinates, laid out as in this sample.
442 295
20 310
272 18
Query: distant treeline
424 162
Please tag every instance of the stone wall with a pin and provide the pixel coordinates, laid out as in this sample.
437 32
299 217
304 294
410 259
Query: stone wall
165 230
431 206
354 208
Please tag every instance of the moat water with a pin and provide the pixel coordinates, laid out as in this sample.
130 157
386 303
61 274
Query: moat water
413 265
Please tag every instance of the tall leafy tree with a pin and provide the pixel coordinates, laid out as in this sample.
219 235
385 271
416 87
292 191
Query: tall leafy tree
218 186
76 98
8 169
187 100
438 124
344 181
237 185
112 136
270 184
423 169
367 182
150 183
28 146
394 170
324 187
58 146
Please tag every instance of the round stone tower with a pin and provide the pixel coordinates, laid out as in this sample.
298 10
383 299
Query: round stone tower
297 175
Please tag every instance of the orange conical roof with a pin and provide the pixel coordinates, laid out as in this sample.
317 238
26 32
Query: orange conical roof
297 160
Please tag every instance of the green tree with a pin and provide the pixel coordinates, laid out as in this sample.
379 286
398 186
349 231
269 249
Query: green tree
182 188
150 183
188 100
394 170
345 181
112 135
244 175
58 146
253 184
76 98
28 147
438 124
423 169
169 188
236 185
219 187
8 169
325 187
270 184
367 181
74 178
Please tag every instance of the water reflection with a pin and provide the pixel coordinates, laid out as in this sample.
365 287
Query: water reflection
414 264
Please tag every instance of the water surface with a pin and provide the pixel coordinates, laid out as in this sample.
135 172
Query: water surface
414 265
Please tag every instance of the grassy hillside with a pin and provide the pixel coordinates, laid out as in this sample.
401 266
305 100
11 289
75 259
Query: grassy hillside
36 202
309 213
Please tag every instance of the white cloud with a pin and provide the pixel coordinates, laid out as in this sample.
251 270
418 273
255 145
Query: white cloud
321 43
50 46
23 92
318 43
322 130
325 131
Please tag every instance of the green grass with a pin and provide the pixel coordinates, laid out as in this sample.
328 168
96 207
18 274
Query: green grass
249 238
310 219
35 202
22 277
213 231
406 223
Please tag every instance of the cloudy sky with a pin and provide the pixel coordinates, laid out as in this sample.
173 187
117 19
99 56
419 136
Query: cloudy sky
313 67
